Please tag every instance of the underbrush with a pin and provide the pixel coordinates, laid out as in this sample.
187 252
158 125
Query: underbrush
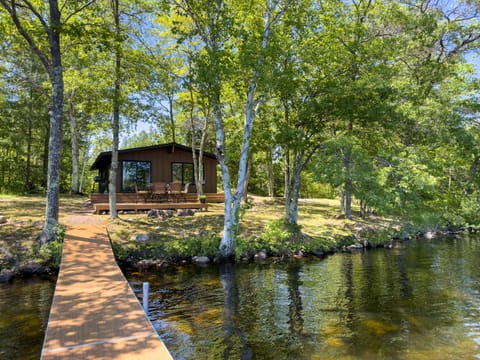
50 254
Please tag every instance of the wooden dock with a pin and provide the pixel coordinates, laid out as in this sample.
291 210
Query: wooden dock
95 313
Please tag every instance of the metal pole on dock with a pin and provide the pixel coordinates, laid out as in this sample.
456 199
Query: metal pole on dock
146 292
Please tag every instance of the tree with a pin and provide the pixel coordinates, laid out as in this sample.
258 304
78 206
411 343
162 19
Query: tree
22 13
112 186
214 22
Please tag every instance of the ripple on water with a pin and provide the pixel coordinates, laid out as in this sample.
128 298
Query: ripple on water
24 309
418 302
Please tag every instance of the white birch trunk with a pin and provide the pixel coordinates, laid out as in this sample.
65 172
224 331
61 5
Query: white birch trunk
247 179
232 201
227 243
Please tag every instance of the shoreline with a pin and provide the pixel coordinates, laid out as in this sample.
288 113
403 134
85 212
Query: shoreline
32 269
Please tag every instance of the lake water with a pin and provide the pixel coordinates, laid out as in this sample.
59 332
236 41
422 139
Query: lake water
419 301
24 309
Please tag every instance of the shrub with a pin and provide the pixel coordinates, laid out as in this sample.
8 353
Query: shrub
51 253
194 246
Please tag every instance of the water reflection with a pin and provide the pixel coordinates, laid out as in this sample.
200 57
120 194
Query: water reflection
418 302
295 309
234 336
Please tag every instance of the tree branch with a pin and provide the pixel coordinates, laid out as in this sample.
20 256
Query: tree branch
37 15
76 11
33 46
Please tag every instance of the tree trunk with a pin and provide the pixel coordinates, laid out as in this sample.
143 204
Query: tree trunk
28 169
45 155
75 147
232 202
300 161
247 179
348 199
112 186
347 164
198 162
288 186
270 180
227 243
171 116
55 72
292 215
56 123
84 166
341 193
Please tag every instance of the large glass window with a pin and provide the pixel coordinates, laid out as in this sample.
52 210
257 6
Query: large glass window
183 173
136 172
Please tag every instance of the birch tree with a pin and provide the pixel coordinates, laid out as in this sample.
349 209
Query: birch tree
216 24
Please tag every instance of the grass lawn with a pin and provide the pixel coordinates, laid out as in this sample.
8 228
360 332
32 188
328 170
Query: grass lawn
318 219
25 216
184 236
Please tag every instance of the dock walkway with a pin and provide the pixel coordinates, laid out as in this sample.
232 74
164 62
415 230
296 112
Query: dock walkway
95 313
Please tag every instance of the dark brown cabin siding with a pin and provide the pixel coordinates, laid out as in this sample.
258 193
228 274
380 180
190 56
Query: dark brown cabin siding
162 160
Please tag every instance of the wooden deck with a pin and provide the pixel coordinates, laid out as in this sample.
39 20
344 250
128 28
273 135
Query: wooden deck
133 197
95 314
99 207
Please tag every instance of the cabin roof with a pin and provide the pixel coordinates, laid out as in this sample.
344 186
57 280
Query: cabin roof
105 158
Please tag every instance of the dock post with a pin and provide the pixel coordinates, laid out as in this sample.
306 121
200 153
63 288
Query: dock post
145 296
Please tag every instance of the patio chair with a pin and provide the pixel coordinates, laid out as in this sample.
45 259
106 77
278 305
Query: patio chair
159 191
175 190
141 194
184 192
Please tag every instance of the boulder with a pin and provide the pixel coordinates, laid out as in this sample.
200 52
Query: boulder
142 238
153 213
318 253
261 255
33 268
299 255
6 276
166 214
200 259
185 212
429 235
145 264
364 243
3 219
6 254
355 246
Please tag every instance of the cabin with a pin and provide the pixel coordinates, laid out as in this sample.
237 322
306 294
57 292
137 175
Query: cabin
140 167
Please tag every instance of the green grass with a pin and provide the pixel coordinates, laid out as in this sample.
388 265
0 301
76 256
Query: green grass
177 238
25 216
260 228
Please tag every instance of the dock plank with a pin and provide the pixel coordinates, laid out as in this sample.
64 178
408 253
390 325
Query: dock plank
95 313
